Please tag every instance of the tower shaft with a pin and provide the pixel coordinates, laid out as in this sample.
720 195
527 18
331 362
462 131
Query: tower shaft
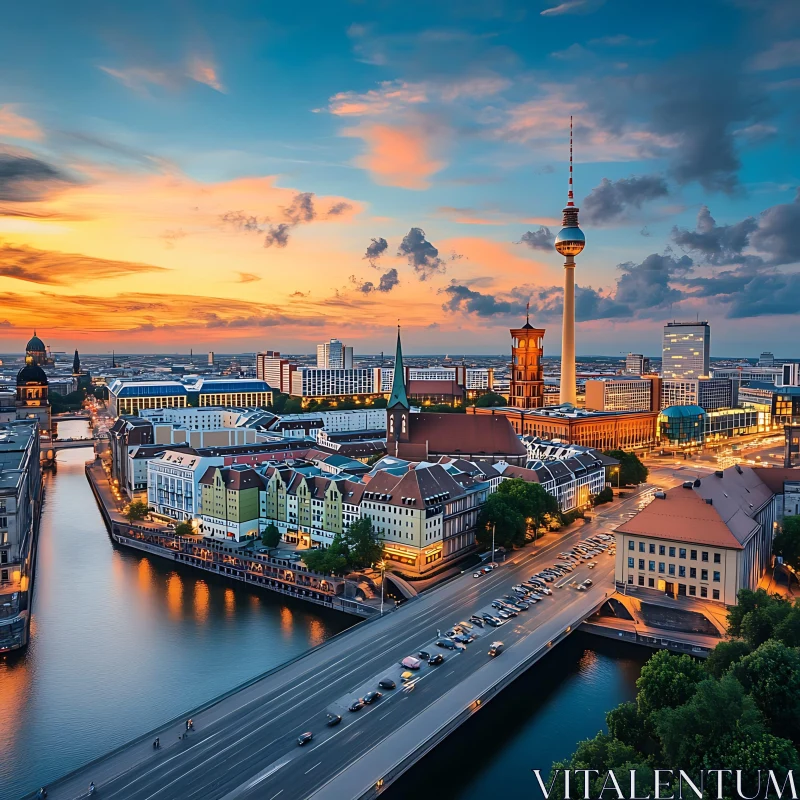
568 389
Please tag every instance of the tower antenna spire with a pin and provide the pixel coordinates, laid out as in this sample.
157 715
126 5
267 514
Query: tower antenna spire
528 312
570 195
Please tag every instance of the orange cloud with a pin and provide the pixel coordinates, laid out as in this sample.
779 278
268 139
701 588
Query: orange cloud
203 71
397 155
139 78
15 126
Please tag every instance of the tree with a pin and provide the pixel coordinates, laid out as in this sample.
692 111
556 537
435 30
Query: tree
364 548
603 496
627 724
723 656
294 405
631 469
690 731
491 400
501 513
667 681
279 400
379 402
771 676
788 630
747 601
271 536
184 529
137 510
530 499
787 542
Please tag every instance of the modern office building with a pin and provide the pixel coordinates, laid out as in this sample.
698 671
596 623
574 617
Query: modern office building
20 499
778 405
210 358
766 359
637 364
130 397
239 392
468 382
791 452
711 394
623 393
707 539
603 430
686 350
317 383
334 355
527 379
682 426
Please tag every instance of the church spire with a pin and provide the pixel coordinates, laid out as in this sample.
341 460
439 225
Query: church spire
398 397
76 364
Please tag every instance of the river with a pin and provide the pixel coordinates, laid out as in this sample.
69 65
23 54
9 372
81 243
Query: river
122 642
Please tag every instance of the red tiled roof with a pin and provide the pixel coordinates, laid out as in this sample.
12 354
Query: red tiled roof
464 434
773 477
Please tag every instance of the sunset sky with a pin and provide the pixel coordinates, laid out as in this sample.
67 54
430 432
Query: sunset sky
243 176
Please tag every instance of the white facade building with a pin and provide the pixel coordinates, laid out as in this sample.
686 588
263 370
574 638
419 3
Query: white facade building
711 394
686 350
173 482
334 355
315 382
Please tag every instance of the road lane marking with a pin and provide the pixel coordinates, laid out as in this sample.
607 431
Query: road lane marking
267 773
312 768
275 795
384 716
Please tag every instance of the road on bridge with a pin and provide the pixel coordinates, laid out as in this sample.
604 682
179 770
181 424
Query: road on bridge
246 744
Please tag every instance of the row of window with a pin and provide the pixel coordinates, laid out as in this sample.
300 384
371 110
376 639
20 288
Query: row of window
670 570
662 551
692 590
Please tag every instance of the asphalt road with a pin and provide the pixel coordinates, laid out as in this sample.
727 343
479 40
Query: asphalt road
246 745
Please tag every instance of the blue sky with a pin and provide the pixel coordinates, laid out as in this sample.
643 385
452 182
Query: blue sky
155 157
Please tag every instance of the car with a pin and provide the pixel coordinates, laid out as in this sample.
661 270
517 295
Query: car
447 644
333 720
356 705
496 648
494 623
372 697
477 620
477 574
588 582
436 660
463 639
592 564
580 587
503 614
406 676
305 738
387 683
523 605
409 662
452 633
424 655
466 625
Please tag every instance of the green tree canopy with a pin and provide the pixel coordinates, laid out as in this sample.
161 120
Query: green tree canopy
530 499
724 655
604 496
667 681
631 469
627 724
771 676
787 542
501 512
491 400
271 536
184 529
355 549
137 510
788 629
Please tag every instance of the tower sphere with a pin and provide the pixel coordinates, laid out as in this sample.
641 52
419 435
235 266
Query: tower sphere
570 241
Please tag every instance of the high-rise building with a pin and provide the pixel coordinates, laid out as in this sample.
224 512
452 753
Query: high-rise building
211 358
527 380
766 359
570 241
334 355
711 394
686 350
637 364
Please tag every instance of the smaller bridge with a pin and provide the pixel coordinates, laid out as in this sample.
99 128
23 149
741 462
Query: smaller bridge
65 444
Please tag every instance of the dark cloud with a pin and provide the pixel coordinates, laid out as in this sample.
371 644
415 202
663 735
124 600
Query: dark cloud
278 235
240 221
647 285
777 233
716 244
339 208
55 268
25 179
388 281
302 208
542 239
469 301
610 201
375 249
421 254
774 293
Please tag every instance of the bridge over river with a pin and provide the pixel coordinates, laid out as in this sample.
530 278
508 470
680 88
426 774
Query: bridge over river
244 744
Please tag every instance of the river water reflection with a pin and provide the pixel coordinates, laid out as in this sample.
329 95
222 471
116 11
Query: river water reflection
121 642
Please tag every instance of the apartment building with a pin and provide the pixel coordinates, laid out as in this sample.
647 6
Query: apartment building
316 383
229 503
711 394
637 364
173 481
622 393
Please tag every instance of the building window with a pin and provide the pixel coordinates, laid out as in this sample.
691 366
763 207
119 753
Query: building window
630 563
692 572
630 578
630 544
641 547
641 580
672 552
662 551
715 594
671 569
703 591
681 572
692 591
717 558
651 566
652 549
703 574
682 552
704 555
661 567
651 582
716 577
641 563
693 555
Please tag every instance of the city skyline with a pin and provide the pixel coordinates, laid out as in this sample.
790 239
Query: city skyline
268 181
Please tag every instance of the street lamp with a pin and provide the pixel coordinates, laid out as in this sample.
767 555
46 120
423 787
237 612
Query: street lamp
382 565
493 527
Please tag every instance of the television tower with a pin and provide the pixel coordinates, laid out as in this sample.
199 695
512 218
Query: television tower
569 242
